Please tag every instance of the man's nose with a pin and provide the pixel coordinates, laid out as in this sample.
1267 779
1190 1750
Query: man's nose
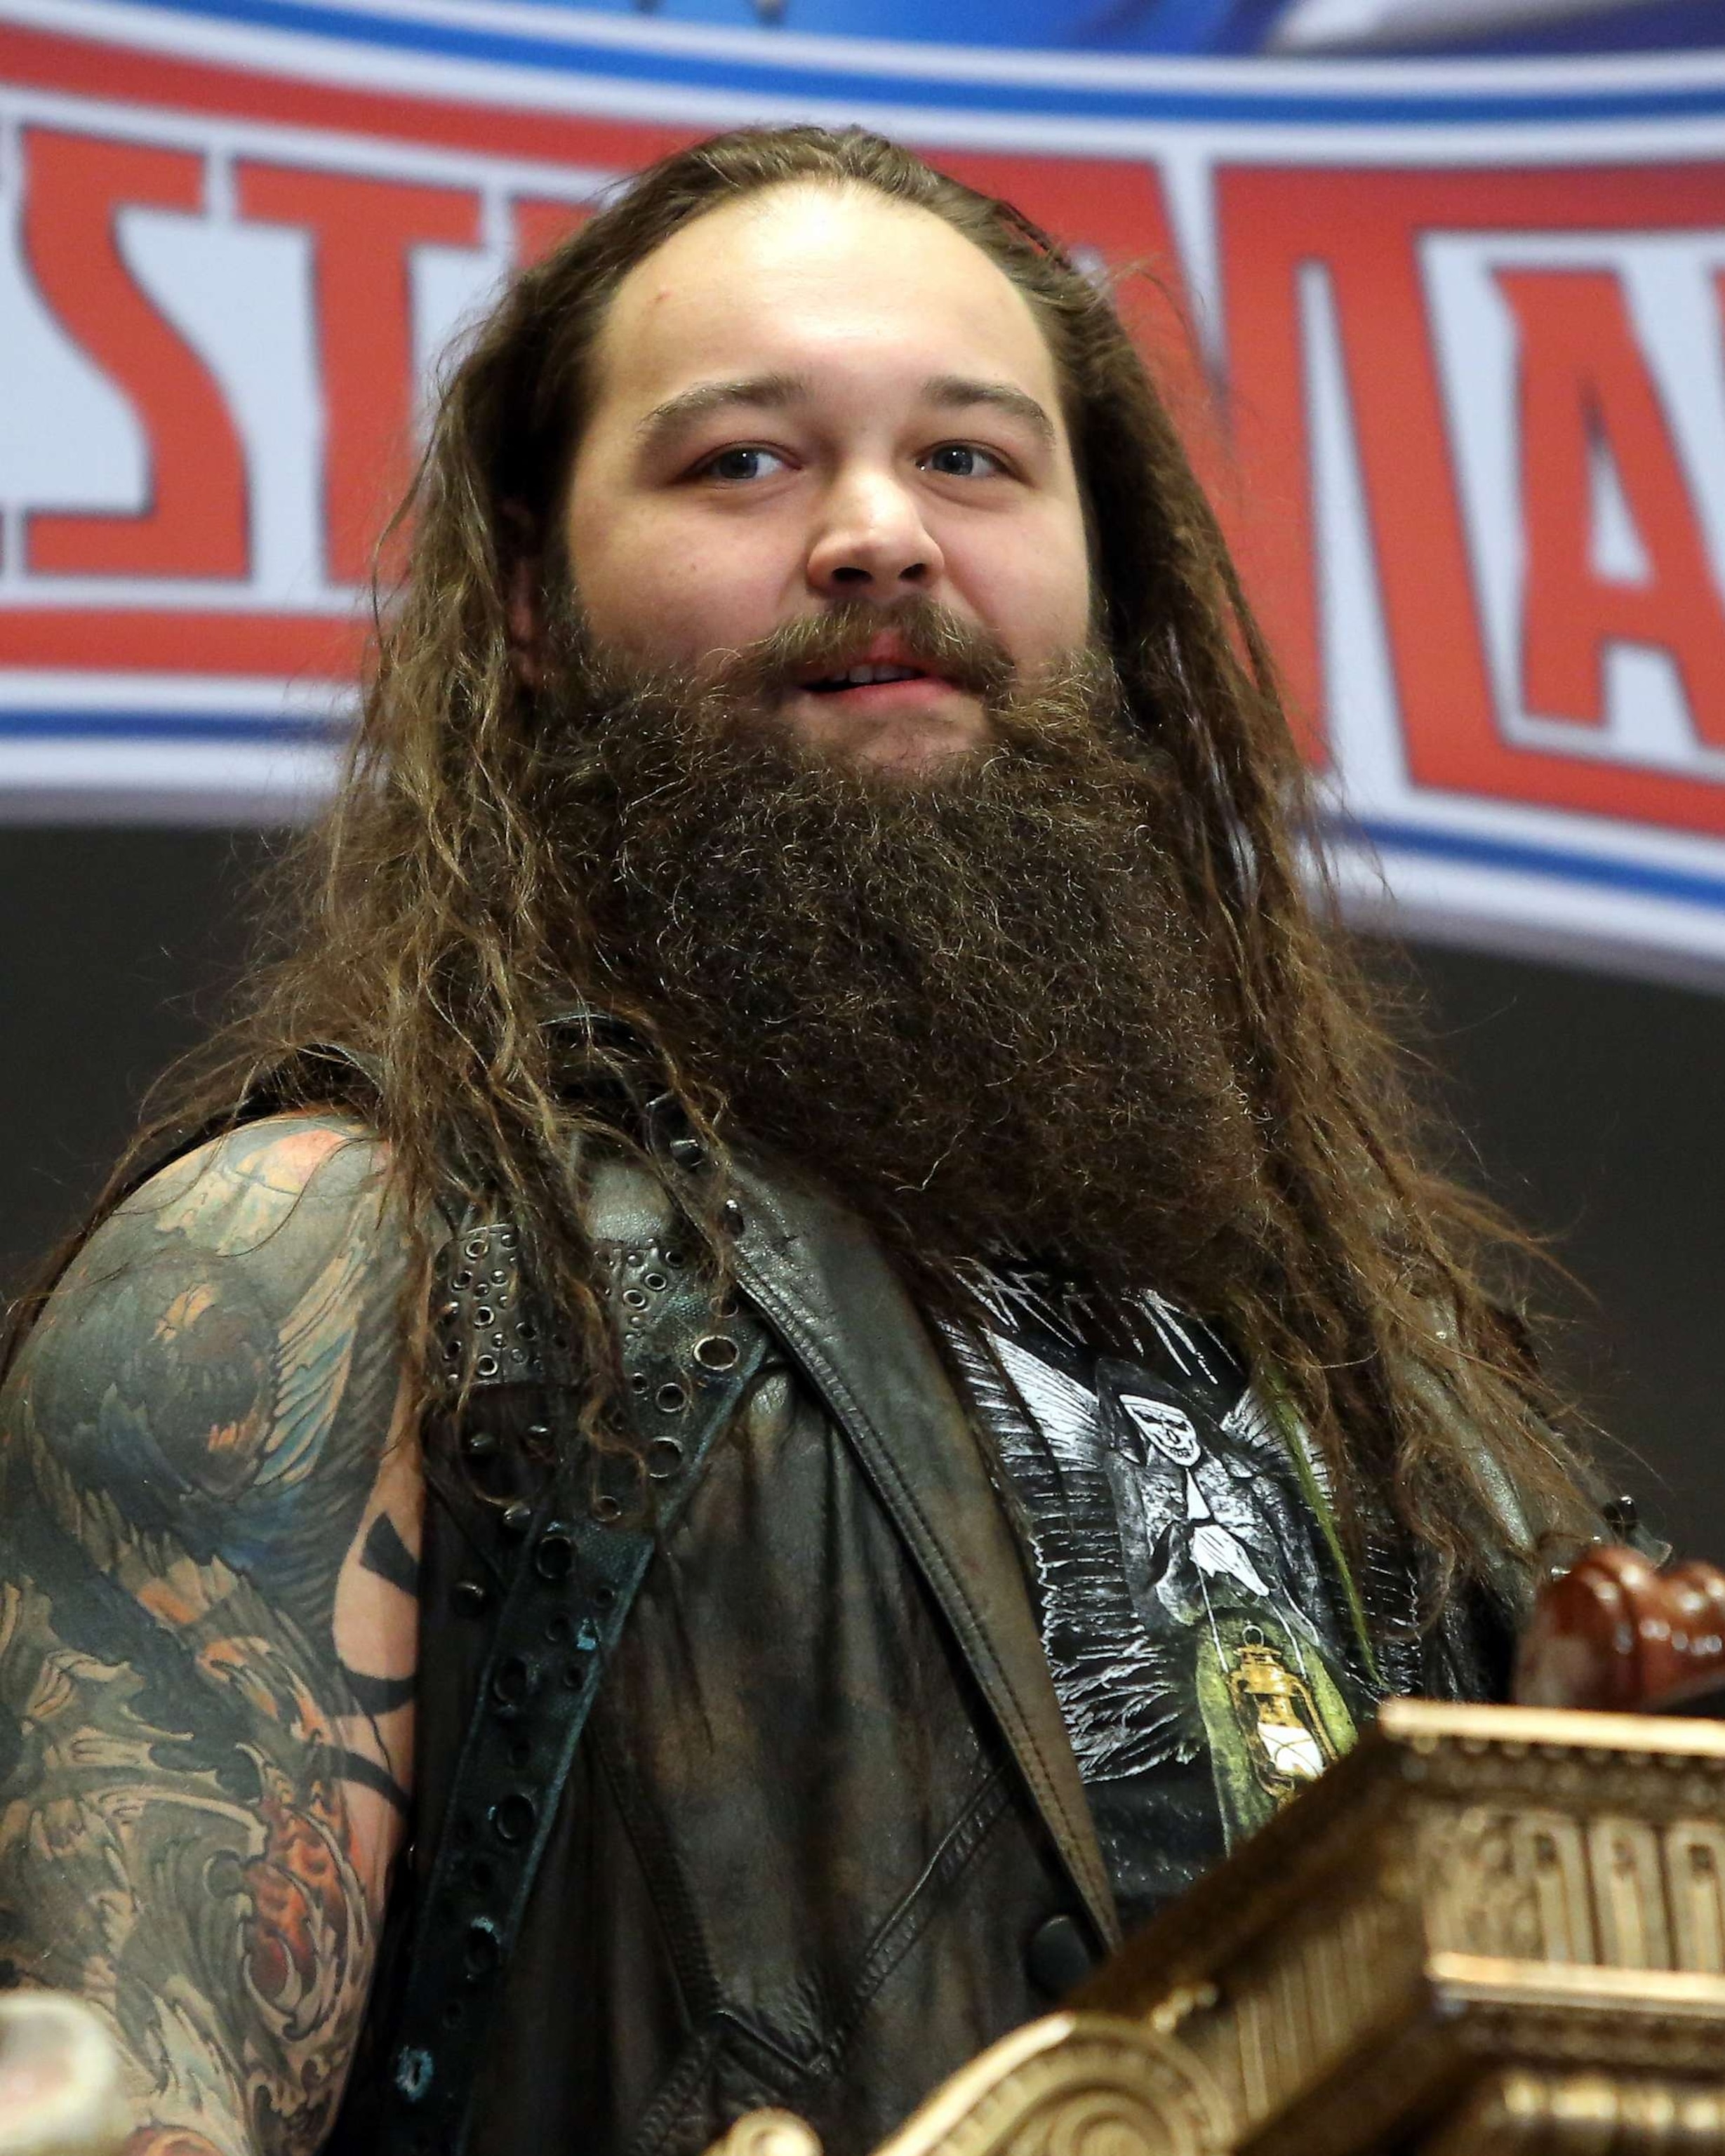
872 542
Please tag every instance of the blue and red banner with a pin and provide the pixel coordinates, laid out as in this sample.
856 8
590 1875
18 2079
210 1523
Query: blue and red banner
1449 333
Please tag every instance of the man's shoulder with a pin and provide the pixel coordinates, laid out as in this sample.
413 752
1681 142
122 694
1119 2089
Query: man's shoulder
252 1180
264 1201
220 1318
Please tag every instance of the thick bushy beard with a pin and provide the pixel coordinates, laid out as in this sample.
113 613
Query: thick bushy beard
978 1004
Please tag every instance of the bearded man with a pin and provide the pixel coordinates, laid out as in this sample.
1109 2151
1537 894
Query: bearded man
798 1356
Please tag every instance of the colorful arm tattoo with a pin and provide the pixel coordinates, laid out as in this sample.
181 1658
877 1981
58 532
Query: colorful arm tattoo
209 1527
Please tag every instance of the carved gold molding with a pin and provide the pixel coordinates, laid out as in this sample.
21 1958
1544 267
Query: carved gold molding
1524 2114
1072 2084
59 2079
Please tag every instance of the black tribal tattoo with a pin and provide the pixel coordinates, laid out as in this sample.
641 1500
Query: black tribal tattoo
209 1518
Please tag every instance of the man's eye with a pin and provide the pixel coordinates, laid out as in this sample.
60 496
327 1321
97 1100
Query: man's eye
742 463
965 460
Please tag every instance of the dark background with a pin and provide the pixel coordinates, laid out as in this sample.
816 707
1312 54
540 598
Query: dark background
1591 1106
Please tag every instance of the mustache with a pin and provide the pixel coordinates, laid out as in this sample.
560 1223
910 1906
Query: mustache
964 653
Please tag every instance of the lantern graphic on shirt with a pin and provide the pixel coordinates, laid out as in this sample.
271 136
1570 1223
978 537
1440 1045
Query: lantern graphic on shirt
1284 1736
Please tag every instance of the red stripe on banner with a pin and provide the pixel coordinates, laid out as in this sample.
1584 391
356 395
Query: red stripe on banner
121 639
1366 239
46 59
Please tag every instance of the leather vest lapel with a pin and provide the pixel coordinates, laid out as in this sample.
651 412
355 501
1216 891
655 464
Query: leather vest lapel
821 1278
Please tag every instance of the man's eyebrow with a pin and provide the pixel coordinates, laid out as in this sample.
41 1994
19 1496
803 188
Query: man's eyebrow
952 391
688 405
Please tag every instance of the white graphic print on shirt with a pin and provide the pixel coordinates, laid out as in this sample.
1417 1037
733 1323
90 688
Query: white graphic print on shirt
1188 1599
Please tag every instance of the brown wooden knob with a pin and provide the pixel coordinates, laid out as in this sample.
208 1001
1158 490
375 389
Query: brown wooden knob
1614 1634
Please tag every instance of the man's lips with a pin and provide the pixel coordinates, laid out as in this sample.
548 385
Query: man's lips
916 692
911 684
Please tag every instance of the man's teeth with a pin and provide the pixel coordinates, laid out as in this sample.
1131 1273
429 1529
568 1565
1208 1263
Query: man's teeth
858 677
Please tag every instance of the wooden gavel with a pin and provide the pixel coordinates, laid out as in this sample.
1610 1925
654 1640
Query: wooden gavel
1615 1635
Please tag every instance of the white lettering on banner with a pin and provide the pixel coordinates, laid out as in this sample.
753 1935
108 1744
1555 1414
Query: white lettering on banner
1473 360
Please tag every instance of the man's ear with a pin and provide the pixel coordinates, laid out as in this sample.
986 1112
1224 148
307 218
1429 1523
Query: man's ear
524 609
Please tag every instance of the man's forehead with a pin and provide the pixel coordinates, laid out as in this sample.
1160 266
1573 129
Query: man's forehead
801 279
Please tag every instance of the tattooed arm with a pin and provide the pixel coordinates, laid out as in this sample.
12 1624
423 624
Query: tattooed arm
209 1513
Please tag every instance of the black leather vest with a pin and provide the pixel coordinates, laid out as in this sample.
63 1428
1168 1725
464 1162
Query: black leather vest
823 1838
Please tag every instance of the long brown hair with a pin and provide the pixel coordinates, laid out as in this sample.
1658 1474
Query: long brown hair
439 923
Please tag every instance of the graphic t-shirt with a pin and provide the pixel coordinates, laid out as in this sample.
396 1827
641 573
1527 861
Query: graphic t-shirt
1190 1597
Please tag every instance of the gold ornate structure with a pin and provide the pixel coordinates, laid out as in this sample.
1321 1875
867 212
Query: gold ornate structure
1490 1931
59 2079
